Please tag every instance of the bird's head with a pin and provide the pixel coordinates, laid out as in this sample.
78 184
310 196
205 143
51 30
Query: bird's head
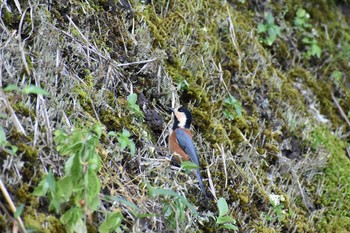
182 118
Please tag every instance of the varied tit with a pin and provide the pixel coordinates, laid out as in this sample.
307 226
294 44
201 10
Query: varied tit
180 141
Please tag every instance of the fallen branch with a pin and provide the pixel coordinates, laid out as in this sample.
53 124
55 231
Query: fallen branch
12 206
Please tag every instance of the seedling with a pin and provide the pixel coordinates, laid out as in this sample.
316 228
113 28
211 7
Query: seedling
224 221
269 30
233 108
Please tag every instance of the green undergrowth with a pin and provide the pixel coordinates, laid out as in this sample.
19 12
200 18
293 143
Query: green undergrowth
258 77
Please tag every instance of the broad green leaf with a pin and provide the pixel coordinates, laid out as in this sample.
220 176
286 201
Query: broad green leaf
112 134
132 147
94 187
269 18
132 98
32 89
230 227
19 211
112 222
187 165
126 133
11 87
3 140
97 129
222 206
72 216
47 183
262 28
224 219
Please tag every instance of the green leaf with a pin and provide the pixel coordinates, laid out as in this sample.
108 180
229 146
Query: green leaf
187 165
97 129
222 206
132 147
19 211
132 98
224 219
262 28
269 18
32 89
3 139
126 133
94 187
112 134
72 216
112 222
46 184
230 226
11 87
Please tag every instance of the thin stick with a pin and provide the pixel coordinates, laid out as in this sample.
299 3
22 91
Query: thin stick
12 206
342 113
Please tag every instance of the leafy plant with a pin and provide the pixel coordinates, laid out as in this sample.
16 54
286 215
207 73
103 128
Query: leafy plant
277 207
124 140
233 108
269 30
309 38
183 85
30 89
174 208
112 222
313 48
5 145
224 221
300 21
132 106
80 182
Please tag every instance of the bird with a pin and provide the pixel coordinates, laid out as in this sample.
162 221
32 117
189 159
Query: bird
180 141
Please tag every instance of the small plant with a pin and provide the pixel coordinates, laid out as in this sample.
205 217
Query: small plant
233 108
300 21
277 207
183 85
5 145
80 183
132 106
309 38
312 47
112 222
124 140
224 221
174 206
270 30
31 89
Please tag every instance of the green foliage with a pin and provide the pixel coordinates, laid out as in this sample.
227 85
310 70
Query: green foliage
233 108
309 38
124 140
31 89
19 211
112 222
301 19
224 221
277 208
174 208
133 107
269 30
80 182
188 166
183 85
313 48
5 145
337 76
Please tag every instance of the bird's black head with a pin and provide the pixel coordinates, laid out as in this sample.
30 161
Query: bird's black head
182 118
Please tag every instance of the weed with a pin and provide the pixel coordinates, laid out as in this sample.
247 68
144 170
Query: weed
124 140
5 145
80 182
270 30
30 89
133 107
233 108
225 221
309 38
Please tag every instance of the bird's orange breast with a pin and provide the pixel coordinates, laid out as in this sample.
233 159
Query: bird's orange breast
175 148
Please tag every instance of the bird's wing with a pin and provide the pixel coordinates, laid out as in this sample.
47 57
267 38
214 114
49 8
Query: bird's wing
187 145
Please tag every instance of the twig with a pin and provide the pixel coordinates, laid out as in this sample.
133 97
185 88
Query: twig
340 110
15 120
12 206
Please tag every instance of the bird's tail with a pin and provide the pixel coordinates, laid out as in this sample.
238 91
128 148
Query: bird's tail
199 177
